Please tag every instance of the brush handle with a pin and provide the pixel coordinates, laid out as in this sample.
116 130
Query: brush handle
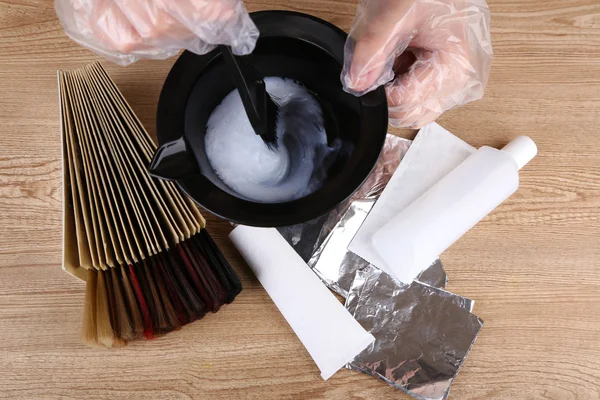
252 90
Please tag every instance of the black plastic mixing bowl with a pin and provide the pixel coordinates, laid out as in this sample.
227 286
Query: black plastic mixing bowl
291 45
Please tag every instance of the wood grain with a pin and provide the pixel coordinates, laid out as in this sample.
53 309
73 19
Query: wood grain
532 266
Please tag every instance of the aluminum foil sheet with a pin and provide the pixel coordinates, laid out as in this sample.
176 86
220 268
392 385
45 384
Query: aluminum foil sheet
323 242
422 334
434 275
336 266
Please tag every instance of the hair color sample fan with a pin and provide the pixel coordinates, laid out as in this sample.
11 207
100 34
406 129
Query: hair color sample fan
149 264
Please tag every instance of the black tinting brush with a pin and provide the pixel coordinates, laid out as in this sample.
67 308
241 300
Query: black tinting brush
260 107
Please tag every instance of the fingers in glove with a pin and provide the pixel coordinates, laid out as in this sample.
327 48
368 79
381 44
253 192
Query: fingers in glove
436 82
379 35
127 30
112 28
99 25
214 22
451 39
154 25
452 65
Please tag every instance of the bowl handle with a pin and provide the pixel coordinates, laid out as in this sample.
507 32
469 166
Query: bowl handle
174 160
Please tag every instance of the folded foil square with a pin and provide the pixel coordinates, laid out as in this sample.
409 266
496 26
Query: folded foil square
422 334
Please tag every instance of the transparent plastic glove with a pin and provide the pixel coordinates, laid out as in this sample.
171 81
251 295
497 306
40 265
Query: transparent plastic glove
126 30
434 55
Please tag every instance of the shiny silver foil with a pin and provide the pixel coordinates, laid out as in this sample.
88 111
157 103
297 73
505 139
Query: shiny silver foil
422 334
434 275
336 266
323 242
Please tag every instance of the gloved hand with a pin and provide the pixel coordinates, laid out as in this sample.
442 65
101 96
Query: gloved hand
439 52
126 30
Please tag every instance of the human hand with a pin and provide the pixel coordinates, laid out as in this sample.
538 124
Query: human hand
126 30
434 55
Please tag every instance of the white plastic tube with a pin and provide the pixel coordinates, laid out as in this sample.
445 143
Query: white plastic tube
416 237
327 330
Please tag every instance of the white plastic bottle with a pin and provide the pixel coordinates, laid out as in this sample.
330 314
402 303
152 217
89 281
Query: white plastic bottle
416 237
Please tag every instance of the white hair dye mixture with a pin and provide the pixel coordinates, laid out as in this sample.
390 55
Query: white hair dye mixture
244 162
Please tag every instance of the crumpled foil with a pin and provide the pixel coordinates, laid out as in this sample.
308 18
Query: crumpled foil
422 334
323 242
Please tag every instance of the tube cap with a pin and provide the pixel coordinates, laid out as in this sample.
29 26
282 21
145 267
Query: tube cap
522 149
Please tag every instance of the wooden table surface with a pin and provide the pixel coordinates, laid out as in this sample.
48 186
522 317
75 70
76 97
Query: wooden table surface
533 266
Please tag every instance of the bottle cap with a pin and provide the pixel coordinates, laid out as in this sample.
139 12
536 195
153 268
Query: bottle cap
522 149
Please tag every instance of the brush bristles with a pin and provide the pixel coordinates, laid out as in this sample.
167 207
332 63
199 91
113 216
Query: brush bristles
157 295
270 138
